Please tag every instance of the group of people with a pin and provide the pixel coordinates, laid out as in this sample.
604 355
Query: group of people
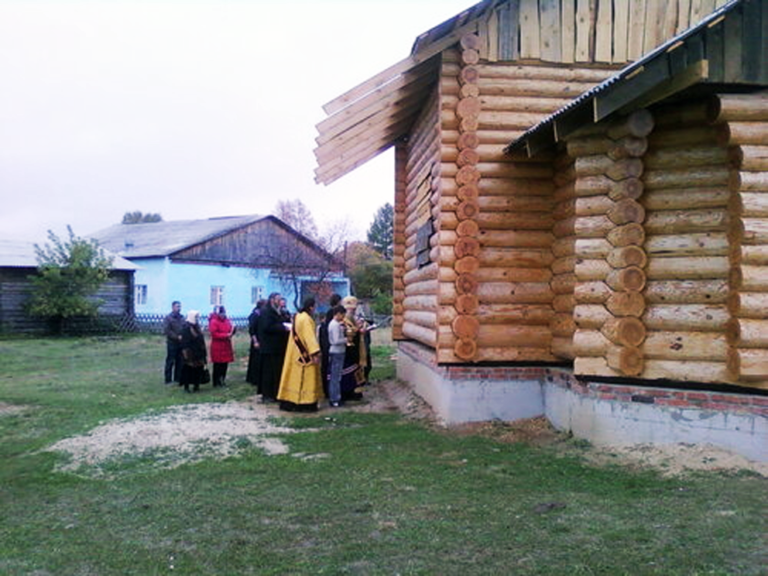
292 361
186 361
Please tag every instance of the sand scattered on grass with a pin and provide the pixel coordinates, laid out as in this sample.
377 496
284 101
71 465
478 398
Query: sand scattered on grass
175 436
193 432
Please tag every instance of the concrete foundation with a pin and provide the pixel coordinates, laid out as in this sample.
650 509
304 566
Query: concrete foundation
605 414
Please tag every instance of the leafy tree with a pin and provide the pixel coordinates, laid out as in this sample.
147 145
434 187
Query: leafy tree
381 234
69 272
371 276
139 217
297 216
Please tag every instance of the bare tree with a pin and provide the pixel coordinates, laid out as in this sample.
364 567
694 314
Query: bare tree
297 216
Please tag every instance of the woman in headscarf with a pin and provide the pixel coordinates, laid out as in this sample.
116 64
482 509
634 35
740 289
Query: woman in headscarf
254 355
300 386
222 351
193 352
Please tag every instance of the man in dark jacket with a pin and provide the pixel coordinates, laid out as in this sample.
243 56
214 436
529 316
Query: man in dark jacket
173 324
273 338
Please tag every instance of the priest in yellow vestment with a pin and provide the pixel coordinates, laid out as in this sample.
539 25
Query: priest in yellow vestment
300 384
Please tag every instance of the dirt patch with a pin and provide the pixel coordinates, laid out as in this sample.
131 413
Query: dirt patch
10 409
193 432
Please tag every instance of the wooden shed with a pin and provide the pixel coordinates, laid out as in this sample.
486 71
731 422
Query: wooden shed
482 270
18 263
660 255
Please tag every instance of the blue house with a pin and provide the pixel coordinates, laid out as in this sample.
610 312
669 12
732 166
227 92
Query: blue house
232 261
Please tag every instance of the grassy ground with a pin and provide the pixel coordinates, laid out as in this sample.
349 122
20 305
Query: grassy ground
384 496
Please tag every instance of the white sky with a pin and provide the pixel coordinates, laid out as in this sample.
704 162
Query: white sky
192 109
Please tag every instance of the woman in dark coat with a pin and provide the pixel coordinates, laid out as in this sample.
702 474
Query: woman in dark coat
193 351
222 351
254 355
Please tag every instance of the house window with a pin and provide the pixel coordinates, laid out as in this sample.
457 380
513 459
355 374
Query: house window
217 295
140 295
257 293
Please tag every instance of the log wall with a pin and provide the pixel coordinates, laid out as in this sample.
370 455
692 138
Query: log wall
498 293
418 177
670 243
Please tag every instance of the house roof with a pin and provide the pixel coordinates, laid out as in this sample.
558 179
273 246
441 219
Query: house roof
372 116
19 254
166 238
727 46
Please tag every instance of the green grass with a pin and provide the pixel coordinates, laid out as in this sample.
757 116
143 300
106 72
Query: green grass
389 496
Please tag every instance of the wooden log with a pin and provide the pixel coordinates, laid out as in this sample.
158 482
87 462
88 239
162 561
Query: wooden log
468 209
502 293
627 256
638 124
755 230
627 279
686 198
563 284
592 226
753 204
686 317
466 246
466 284
750 279
468 175
738 107
590 343
687 292
591 269
668 345
591 316
687 177
700 244
626 212
593 367
515 239
592 292
628 147
752 365
628 331
514 275
468 140
466 349
564 246
688 157
515 257
491 336
602 185
677 137
468 228
627 235
426 336
562 347
467 157
749 333
627 360
504 314
626 304
686 371
563 303
420 302
601 164
421 318
754 255
563 265
466 304
466 265
465 326
749 181
592 247
743 133
688 268
428 272
687 221
421 288
562 325
754 158
590 205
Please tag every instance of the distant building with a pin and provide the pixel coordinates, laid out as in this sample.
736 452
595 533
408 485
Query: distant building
18 262
233 261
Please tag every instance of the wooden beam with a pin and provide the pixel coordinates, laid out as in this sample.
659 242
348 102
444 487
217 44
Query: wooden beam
386 76
624 92
551 25
695 73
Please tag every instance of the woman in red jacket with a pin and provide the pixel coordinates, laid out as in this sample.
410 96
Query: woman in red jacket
222 351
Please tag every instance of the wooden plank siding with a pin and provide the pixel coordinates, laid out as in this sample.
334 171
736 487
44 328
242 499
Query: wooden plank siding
116 295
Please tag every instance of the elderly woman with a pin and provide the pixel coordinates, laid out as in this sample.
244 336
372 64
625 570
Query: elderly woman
193 351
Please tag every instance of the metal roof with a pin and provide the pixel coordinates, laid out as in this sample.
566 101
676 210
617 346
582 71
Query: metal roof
166 238
584 109
19 254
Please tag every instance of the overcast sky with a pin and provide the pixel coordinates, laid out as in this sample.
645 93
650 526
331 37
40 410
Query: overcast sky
192 109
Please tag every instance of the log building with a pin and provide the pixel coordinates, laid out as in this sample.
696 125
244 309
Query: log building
576 182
